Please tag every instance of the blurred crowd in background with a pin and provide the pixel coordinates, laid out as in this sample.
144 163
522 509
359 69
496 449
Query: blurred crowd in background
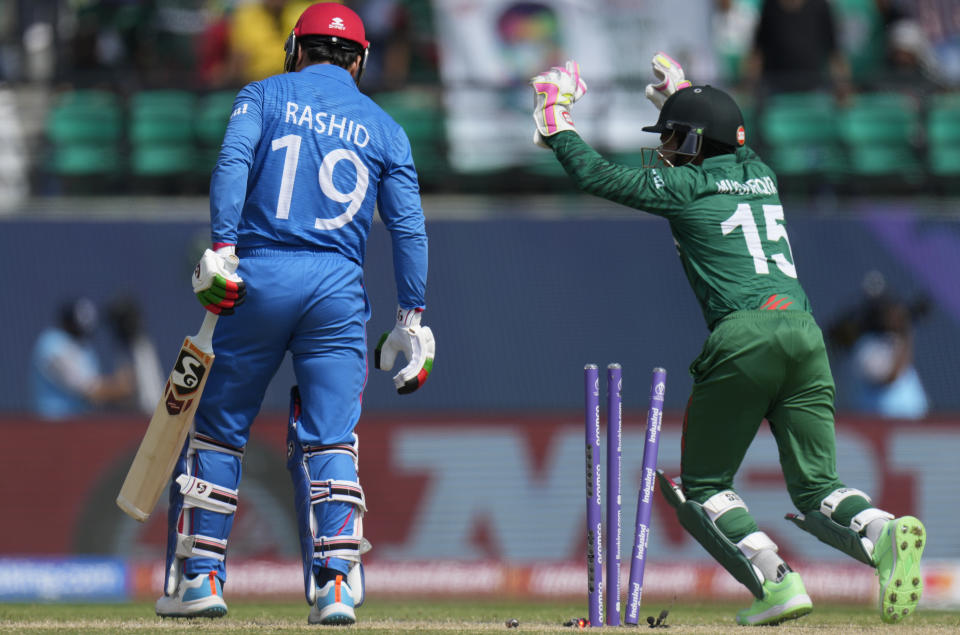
131 96
120 98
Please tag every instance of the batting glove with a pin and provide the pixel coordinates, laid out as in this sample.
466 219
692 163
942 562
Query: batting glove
555 91
216 283
670 78
417 345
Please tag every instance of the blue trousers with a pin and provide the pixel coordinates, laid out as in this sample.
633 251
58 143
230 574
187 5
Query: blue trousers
313 304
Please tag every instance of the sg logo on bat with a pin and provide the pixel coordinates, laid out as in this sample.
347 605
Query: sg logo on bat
186 378
187 373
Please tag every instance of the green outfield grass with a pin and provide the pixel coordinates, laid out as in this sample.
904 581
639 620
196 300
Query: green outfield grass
441 616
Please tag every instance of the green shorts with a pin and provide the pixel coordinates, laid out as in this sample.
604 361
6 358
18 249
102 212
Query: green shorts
762 365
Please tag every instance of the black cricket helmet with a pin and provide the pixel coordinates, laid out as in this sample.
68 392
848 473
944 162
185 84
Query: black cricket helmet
697 113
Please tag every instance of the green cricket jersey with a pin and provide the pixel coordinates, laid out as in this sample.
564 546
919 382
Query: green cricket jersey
725 216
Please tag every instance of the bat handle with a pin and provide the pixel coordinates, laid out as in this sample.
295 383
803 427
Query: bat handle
204 337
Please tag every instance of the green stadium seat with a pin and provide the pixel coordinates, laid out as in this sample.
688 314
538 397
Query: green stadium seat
944 100
84 160
210 123
159 100
161 132
161 117
420 114
943 135
881 133
85 117
811 99
212 115
84 130
799 135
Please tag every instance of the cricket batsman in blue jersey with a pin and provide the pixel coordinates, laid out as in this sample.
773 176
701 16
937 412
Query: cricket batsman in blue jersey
305 160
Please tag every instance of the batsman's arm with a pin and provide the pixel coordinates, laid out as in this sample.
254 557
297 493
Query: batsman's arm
399 206
228 183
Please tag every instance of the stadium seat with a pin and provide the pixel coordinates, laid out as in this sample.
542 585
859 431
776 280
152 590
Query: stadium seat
84 130
420 114
161 132
213 113
799 135
881 133
943 135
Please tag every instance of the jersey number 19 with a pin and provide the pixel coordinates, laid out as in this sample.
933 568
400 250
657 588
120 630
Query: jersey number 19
291 143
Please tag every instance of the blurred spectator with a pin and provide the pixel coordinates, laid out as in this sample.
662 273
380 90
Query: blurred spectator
130 44
905 60
65 369
796 47
216 67
126 320
106 42
224 61
168 59
389 30
910 54
940 20
878 335
734 23
258 31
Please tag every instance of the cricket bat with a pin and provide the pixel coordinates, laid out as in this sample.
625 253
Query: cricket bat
171 421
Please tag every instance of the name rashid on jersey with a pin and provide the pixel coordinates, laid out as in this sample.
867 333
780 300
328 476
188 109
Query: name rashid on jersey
327 123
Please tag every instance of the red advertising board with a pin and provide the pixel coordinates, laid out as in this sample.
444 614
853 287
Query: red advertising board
501 494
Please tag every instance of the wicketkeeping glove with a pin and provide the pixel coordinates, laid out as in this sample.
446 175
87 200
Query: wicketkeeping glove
417 345
216 283
555 91
670 78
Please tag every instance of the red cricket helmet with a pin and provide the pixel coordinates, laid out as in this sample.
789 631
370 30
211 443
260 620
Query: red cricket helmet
329 19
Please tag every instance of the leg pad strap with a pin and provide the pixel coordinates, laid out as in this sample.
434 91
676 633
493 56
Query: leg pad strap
201 546
837 536
198 492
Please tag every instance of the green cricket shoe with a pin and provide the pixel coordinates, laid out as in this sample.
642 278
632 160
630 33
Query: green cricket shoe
897 559
782 601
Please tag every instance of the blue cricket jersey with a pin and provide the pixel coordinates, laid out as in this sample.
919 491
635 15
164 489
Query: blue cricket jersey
305 160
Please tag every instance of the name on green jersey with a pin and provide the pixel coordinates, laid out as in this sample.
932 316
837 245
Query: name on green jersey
763 185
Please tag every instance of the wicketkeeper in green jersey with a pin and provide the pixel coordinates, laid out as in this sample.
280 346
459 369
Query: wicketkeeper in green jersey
765 356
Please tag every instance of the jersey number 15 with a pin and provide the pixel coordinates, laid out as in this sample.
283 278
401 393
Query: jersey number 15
772 219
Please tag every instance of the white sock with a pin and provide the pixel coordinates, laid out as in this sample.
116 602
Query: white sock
874 529
770 564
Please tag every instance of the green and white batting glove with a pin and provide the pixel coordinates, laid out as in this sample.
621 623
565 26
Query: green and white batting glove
670 79
417 345
216 283
555 91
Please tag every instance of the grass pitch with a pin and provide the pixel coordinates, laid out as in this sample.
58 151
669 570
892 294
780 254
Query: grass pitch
443 616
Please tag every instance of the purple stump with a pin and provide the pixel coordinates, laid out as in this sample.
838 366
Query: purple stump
651 444
591 416
614 450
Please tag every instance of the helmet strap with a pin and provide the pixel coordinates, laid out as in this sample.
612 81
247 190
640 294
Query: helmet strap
292 53
363 64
